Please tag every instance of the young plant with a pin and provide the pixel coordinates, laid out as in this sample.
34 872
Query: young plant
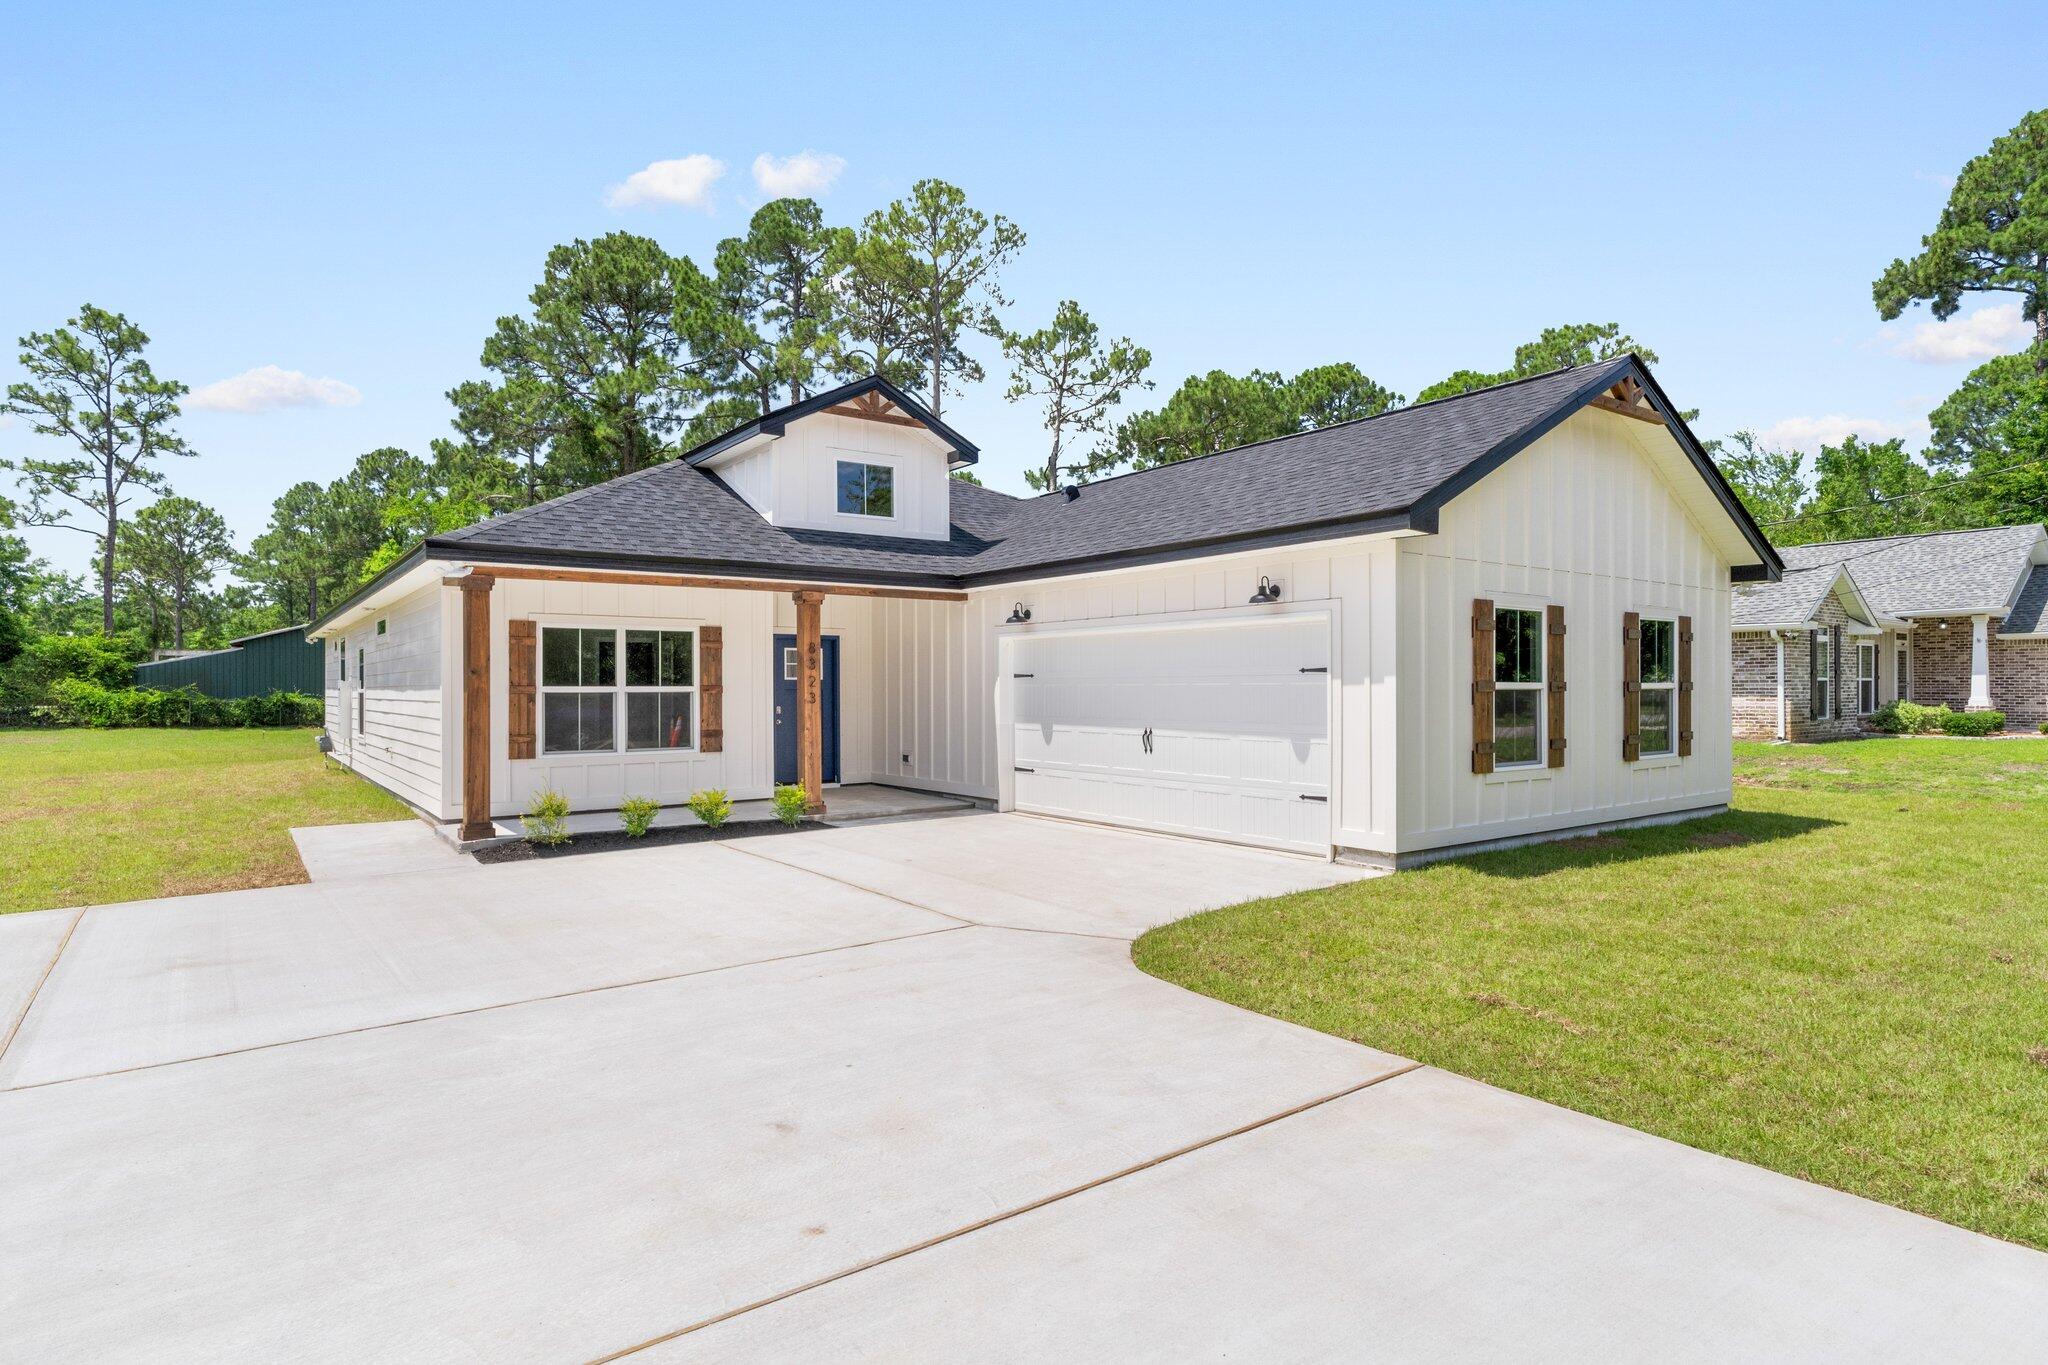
790 801
637 814
712 806
547 818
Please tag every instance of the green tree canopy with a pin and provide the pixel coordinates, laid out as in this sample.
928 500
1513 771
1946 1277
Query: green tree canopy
1992 237
761 323
89 384
597 371
174 547
1769 482
1221 411
1864 489
1076 376
941 259
1575 343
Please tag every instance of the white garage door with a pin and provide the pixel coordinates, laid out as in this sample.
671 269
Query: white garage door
1219 731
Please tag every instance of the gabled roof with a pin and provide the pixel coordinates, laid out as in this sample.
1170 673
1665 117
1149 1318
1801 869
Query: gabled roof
1395 471
1795 600
2029 614
1941 573
965 452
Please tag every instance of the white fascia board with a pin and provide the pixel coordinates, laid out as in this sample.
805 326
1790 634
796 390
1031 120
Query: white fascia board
746 447
403 586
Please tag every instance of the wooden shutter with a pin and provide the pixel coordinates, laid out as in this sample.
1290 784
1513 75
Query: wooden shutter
1685 687
1553 678
1631 685
1482 685
711 689
520 668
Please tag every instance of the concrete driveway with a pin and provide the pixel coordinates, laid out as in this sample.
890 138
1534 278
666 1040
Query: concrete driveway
888 1091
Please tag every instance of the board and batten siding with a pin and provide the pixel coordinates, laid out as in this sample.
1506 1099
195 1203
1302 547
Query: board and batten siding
933 718
394 732
1350 582
793 481
1585 518
745 767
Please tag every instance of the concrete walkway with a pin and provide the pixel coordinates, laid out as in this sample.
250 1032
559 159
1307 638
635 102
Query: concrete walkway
803 1097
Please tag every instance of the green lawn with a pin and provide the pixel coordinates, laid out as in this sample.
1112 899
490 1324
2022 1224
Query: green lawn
113 815
1845 978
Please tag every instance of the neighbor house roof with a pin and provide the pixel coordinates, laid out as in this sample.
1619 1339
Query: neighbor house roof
1937 574
1796 599
1389 472
2029 615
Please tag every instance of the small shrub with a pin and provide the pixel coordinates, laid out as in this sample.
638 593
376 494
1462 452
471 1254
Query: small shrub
547 818
1973 723
1908 718
637 814
712 806
276 708
790 801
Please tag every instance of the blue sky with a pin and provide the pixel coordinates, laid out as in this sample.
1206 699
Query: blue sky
354 193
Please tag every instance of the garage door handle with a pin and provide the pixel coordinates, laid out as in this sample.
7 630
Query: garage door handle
1324 799
1015 769
1315 670
1023 675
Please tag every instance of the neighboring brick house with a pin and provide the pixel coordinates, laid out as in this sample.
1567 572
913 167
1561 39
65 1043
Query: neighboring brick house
1955 617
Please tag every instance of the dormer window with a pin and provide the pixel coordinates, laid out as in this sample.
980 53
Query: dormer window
866 490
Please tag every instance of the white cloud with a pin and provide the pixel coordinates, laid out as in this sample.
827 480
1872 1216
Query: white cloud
268 388
807 172
1809 434
1992 330
685 181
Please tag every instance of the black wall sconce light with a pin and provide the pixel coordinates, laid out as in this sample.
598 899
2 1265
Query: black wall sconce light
1019 614
1267 591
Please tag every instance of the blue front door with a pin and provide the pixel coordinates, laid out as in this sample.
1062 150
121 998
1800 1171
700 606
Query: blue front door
786 670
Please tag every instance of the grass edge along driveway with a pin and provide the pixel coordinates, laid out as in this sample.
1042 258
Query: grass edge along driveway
1845 978
89 816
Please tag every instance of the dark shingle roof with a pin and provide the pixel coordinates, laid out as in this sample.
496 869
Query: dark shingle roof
1394 469
2029 615
1943 571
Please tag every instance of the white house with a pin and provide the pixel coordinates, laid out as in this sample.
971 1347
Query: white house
1350 642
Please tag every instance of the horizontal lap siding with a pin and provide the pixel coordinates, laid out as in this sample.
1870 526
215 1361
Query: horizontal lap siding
399 745
744 769
1582 518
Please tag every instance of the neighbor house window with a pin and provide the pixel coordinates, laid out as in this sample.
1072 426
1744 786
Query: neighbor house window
1866 679
1656 718
587 691
1517 687
867 490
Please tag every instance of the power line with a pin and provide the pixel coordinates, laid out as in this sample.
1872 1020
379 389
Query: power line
1951 485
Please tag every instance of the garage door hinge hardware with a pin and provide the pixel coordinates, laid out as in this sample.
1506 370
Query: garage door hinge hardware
1315 670
1306 797
1016 769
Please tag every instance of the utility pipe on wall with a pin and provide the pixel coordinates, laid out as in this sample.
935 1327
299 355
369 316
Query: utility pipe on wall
1779 637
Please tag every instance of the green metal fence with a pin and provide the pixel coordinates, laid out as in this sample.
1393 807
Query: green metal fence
276 661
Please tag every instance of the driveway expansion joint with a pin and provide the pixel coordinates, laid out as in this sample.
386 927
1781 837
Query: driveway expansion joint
14 1029
1006 1215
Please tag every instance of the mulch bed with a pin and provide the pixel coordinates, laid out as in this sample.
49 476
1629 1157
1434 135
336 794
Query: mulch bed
609 840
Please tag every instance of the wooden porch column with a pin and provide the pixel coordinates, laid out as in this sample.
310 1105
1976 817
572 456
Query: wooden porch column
476 705
810 726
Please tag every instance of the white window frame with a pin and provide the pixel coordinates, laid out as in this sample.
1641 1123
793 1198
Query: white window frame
619 689
866 464
1823 675
1866 649
1540 610
1645 686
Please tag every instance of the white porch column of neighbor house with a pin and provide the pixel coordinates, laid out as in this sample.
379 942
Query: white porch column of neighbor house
1980 663
1783 727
